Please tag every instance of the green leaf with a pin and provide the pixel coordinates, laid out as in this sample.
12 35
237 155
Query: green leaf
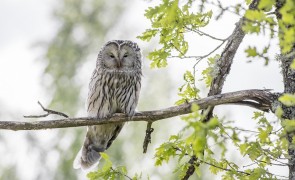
198 171
289 125
263 135
188 77
195 107
287 99
243 148
279 112
165 152
248 2
266 5
251 51
188 91
251 27
148 34
105 156
257 173
213 123
258 114
159 58
254 151
255 15
108 164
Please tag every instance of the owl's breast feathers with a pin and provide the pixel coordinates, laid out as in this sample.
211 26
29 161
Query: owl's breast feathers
111 92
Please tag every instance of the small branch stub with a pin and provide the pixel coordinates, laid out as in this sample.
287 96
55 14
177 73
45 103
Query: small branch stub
148 138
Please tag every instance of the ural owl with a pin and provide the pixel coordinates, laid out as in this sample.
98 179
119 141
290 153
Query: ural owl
114 88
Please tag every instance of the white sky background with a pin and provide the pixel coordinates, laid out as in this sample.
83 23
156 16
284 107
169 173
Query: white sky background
23 23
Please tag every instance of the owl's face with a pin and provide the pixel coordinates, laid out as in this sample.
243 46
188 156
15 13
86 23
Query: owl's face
120 56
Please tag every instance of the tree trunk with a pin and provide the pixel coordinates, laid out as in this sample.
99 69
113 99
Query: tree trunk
289 87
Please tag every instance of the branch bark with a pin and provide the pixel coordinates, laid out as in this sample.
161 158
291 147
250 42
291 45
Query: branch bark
223 65
289 86
226 59
148 136
259 99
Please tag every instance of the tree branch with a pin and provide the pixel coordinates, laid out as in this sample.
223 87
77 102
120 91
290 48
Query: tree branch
226 59
191 168
261 98
223 65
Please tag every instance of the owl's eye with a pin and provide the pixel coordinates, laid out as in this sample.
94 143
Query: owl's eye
126 55
112 56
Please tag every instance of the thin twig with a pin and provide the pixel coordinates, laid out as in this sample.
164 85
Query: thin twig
269 155
201 33
226 9
49 111
269 163
211 52
118 172
245 130
198 58
225 169
275 164
193 160
185 57
147 138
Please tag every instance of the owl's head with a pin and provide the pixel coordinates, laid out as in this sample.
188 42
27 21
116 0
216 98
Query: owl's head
120 56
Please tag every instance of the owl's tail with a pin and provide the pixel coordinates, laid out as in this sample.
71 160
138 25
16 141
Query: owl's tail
88 156
98 139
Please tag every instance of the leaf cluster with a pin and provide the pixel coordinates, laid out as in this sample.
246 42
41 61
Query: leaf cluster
188 90
107 172
170 21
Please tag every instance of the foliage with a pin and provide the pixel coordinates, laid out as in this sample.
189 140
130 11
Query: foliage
267 145
287 99
189 90
193 146
287 26
107 172
262 18
170 22
259 21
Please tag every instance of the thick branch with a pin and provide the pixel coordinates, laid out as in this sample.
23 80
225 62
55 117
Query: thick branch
226 59
223 65
289 85
261 98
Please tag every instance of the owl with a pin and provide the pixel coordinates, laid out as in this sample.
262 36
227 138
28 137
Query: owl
114 88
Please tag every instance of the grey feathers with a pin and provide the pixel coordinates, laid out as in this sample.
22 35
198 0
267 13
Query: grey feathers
114 88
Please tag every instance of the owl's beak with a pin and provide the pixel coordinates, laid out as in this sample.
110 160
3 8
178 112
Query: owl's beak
119 64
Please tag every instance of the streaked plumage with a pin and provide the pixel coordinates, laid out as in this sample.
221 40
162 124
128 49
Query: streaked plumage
114 88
